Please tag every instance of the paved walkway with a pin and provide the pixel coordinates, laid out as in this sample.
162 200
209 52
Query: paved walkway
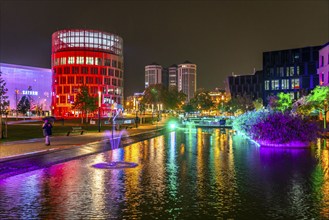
13 149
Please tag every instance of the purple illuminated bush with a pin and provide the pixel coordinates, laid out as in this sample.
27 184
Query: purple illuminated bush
280 128
277 127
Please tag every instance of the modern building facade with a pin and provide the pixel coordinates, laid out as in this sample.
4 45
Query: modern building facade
323 70
33 82
187 73
247 85
291 71
172 71
153 74
86 58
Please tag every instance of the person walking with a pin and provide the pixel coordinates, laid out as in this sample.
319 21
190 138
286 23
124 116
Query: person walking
46 127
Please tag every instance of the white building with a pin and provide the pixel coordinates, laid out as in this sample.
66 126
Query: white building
323 69
187 79
153 74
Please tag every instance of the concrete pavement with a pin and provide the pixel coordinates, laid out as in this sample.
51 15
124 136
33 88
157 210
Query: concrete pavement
19 149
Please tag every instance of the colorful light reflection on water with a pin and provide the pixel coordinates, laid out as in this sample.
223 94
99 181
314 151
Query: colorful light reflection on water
182 175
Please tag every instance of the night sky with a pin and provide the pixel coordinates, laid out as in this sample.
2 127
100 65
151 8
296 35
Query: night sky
221 37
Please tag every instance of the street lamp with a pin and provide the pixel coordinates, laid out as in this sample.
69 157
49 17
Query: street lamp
99 110
325 114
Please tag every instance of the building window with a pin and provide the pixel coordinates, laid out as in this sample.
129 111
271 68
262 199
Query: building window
322 61
295 83
80 60
93 70
70 79
275 84
110 72
90 60
117 73
62 99
98 80
285 84
297 70
98 61
84 70
63 60
281 71
66 70
89 80
66 89
114 63
75 70
70 60
114 82
107 62
79 80
103 71
63 80
292 71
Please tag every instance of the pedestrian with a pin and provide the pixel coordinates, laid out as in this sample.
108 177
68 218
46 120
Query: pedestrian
46 127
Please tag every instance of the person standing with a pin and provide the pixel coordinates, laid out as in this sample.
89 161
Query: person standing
46 127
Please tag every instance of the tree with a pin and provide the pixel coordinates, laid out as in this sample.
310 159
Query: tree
284 102
24 105
258 104
84 102
239 103
4 103
318 100
174 99
154 94
202 100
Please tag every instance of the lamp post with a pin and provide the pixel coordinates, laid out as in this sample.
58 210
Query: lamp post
99 110
325 114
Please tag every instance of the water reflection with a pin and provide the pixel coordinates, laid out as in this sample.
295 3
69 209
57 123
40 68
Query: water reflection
183 175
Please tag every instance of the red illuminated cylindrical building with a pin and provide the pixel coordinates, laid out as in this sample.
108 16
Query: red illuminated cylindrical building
86 58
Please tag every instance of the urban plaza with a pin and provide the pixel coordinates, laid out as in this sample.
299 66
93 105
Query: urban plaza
164 110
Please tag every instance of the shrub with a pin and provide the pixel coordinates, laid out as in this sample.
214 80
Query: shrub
280 128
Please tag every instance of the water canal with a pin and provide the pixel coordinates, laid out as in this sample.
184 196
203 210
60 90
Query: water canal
195 174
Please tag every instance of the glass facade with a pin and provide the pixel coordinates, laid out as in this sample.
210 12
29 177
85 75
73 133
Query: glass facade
30 81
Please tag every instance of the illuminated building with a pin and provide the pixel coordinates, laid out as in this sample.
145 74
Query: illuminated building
292 71
33 82
86 57
323 70
187 79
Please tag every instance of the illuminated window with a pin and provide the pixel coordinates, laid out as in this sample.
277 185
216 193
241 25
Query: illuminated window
70 60
63 60
285 84
80 60
295 83
56 61
275 84
90 60
267 84
297 70
292 71
98 61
